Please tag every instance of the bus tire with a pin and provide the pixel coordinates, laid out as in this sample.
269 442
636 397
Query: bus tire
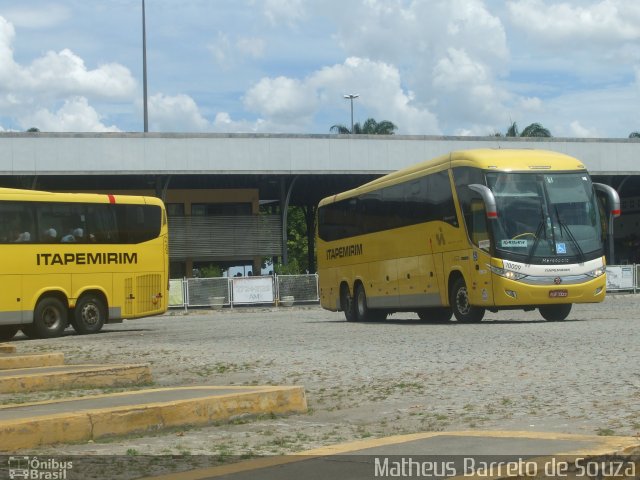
49 319
363 314
555 313
436 314
347 305
462 309
90 315
7 332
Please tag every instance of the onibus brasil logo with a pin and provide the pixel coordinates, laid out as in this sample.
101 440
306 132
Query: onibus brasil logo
36 468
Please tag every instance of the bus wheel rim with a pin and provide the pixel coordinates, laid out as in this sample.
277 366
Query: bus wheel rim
51 318
462 301
90 315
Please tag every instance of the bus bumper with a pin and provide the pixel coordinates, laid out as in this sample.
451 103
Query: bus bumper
510 293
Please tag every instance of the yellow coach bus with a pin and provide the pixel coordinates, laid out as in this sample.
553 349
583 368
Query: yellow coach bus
467 232
79 259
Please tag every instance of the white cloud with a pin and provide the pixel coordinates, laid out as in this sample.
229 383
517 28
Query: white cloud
30 93
76 115
573 23
229 52
284 11
178 113
282 99
290 102
251 46
577 130
47 15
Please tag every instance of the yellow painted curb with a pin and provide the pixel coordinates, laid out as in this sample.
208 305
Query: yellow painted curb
81 377
138 418
31 360
7 348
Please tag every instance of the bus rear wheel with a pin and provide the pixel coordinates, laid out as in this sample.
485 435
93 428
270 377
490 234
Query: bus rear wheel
49 319
347 305
555 313
363 312
89 315
436 314
462 308
7 332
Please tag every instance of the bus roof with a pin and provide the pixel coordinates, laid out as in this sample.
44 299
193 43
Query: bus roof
42 196
506 160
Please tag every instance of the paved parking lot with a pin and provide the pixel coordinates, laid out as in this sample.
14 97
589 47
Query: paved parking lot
511 372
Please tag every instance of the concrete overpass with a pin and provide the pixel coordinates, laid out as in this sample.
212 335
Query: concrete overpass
285 169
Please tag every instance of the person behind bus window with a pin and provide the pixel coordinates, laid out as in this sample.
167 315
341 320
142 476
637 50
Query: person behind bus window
74 235
23 237
49 235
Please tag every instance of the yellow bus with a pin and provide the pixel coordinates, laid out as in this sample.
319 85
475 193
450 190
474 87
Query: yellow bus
467 232
79 259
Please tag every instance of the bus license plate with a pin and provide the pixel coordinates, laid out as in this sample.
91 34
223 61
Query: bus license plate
558 293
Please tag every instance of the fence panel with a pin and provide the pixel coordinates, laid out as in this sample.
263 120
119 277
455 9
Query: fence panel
248 290
205 292
621 278
177 297
303 288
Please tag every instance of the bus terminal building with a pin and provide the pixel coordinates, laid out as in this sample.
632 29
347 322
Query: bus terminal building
227 194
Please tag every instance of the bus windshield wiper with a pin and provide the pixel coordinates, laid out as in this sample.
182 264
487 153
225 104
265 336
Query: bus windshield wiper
570 235
536 236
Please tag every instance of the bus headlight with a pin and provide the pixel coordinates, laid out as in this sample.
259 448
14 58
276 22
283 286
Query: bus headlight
596 273
510 274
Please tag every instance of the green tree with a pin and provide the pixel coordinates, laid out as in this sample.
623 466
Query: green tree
634 135
369 127
533 130
33 130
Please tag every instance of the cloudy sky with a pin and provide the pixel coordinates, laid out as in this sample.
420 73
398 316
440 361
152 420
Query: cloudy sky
433 67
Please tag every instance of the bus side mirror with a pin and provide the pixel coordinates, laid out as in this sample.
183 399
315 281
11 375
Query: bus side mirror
488 198
613 199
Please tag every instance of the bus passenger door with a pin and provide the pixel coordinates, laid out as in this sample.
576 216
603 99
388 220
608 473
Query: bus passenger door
481 288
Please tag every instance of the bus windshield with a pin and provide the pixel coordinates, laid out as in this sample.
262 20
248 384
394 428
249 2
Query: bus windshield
546 215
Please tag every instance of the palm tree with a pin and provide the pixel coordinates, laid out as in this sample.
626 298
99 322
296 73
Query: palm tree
369 127
533 130
634 135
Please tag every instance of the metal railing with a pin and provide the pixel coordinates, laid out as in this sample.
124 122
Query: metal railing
282 290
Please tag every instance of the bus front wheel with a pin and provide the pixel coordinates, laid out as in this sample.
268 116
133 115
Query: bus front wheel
89 315
49 319
555 313
462 308
7 332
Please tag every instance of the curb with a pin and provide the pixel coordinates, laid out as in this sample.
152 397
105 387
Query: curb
81 425
11 361
72 376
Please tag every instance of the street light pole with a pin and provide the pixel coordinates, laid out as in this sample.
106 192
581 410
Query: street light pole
144 70
351 96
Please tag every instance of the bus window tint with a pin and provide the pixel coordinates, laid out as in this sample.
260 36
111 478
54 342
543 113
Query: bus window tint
61 222
16 223
415 201
138 223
